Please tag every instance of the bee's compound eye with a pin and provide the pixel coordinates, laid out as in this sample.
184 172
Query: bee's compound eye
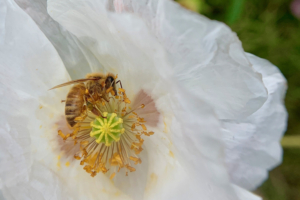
109 81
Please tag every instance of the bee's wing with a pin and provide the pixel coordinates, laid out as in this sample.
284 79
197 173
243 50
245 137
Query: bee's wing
73 82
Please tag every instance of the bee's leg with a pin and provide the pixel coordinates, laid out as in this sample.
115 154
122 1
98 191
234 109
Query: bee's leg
83 115
94 109
97 112
119 81
103 91
105 99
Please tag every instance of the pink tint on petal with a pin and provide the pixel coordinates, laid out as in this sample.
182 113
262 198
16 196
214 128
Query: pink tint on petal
295 8
149 112
119 6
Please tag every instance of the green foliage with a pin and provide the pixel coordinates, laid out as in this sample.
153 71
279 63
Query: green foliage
234 11
194 5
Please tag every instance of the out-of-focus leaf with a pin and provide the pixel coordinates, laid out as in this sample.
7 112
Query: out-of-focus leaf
234 11
291 141
193 5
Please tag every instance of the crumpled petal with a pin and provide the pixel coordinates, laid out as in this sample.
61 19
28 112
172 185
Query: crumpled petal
115 47
199 150
213 68
206 56
244 194
197 46
29 67
253 145
73 54
115 42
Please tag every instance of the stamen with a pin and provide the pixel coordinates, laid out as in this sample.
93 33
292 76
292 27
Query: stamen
112 175
109 134
121 90
109 89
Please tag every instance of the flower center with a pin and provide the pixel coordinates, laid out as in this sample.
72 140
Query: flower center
109 133
107 130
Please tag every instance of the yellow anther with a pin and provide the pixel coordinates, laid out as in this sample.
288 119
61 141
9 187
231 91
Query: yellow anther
133 126
77 157
136 160
61 134
141 120
144 127
93 174
78 119
131 169
112 175
84 142
66 137
127 100
109 89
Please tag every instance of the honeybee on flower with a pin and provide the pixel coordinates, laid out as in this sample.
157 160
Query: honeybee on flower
108 130
201 118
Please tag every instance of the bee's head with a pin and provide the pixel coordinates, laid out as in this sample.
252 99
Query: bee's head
110 82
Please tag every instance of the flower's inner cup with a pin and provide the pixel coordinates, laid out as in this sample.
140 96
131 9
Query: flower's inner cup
108 130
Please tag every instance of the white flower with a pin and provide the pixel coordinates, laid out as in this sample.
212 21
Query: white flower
221 110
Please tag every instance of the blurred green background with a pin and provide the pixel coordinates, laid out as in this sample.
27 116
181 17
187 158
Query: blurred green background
268 29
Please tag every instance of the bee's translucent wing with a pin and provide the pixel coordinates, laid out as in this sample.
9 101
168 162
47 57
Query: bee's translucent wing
73 82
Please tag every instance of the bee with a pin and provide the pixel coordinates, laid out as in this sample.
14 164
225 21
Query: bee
86 92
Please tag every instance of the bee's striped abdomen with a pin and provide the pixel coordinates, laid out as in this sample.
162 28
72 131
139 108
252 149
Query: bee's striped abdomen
74 103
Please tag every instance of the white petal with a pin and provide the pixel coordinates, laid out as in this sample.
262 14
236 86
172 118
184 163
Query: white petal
253 145
43 184
197 145
44 175
206 56
29 67
124 45
76 58
244 194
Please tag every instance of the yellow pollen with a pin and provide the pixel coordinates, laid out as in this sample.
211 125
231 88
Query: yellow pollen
121 90
109 133
109 89
107 130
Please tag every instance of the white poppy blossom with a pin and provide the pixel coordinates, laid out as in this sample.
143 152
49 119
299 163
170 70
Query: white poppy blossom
214 114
